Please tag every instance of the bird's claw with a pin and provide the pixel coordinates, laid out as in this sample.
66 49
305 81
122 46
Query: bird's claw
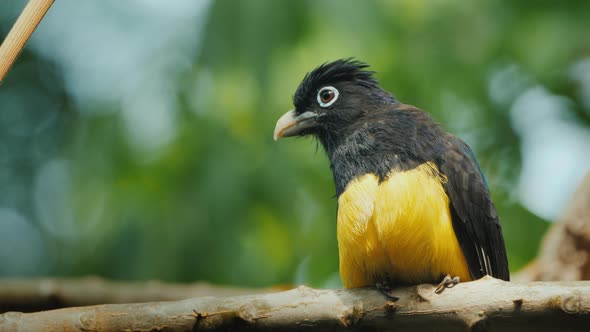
385 289
447 282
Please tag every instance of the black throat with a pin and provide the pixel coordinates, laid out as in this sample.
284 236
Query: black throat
378 143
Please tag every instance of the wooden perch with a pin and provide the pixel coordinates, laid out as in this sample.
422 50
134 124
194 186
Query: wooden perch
487 304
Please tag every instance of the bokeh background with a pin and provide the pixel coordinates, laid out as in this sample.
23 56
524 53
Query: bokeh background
136 136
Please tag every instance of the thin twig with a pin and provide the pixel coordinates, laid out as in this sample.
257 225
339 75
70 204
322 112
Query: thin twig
21 32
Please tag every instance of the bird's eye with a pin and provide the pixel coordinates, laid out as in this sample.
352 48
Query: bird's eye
327 96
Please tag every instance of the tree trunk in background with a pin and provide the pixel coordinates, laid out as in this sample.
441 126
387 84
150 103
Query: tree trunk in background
565 251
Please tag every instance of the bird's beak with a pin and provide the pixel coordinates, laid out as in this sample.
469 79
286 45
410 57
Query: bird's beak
291 124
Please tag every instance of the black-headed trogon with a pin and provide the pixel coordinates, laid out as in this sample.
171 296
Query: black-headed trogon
413 204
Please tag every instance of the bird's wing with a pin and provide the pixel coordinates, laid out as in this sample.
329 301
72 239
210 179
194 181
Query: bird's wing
475 219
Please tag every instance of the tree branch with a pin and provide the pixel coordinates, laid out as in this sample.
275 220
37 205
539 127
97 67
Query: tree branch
488 304
46 293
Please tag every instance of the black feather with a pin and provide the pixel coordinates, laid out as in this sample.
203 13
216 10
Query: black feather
343 70
474 215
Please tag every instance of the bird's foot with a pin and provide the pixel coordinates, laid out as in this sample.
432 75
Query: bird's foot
385 289
447 282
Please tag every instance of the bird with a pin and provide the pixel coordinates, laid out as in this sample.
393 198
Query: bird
413 204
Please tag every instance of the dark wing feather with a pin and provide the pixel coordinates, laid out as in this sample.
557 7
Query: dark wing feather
475 219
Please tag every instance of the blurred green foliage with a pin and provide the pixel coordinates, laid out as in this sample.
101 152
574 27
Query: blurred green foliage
221 201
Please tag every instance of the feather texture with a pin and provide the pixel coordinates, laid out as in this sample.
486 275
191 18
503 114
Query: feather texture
398 230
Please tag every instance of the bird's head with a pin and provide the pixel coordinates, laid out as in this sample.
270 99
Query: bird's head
330 99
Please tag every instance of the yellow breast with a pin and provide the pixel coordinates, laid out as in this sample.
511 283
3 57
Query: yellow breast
399 230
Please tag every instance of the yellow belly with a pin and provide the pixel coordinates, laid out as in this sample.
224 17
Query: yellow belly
398 231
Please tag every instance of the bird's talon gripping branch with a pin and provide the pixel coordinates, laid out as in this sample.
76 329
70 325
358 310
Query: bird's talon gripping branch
385 289
447 282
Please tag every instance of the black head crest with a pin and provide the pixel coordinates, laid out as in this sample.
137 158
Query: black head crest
343 70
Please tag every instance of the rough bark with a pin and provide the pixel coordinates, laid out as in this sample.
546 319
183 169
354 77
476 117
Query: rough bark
487 304
46 293
565 250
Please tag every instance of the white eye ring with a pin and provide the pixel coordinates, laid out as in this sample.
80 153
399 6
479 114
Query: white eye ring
331 101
